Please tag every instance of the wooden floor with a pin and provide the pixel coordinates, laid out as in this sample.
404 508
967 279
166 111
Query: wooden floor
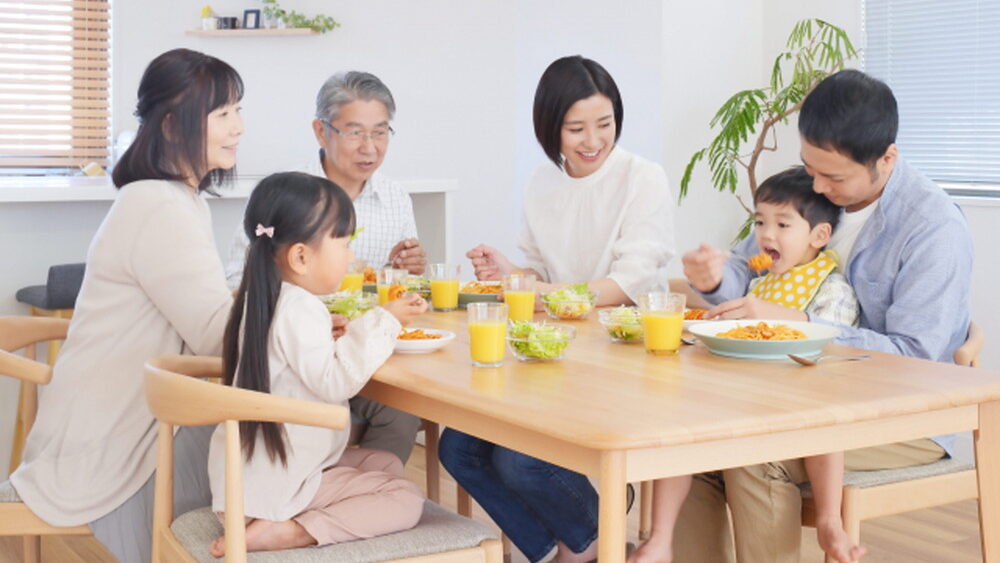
948 534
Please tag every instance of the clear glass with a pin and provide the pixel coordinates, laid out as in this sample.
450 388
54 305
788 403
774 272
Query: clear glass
386 279
354 279
444 286
487 331
662 316
519 295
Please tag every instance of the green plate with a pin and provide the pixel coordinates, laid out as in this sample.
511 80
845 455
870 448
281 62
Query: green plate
369 288
817 336
466 298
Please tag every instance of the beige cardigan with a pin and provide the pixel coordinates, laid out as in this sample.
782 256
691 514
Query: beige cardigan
154 285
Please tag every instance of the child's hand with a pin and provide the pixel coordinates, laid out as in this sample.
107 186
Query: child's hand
406 308
339 325
703 267
751 307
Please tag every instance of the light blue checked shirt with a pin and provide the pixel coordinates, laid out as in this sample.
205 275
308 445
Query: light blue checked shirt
910 267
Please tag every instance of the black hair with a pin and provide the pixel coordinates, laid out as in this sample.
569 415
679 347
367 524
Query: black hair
176 93
565 82
300 208
851 113
795 187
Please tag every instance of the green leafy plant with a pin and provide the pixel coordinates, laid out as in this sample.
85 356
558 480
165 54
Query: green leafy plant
814 50
319 22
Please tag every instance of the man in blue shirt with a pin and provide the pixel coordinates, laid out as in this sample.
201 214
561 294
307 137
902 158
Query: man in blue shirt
905 248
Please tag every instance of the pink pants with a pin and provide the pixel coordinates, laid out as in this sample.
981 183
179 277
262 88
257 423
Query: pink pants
363 496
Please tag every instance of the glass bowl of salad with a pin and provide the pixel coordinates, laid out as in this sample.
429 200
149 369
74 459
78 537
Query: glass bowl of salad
570 303
539 341
622 323
419 285
351 304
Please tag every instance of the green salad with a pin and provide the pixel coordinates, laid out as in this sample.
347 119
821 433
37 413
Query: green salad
622 323
419 285
541 341
351 304
573 302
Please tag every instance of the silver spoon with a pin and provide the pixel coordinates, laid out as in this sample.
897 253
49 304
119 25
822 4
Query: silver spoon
817 359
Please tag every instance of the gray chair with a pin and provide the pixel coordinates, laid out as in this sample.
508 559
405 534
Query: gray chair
58 294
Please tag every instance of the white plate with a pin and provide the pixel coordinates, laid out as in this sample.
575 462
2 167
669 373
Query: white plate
424 346
817 336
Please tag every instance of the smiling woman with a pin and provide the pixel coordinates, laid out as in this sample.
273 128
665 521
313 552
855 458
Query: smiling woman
153 285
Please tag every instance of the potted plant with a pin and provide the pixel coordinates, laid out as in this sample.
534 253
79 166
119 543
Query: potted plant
815 49
274 13
207 17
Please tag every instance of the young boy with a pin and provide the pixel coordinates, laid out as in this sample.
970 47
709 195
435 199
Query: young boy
792 225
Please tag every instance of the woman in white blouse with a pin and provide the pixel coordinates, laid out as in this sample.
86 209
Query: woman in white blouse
595 214
154 285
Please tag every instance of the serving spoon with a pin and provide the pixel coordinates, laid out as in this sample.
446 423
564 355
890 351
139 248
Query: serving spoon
813 361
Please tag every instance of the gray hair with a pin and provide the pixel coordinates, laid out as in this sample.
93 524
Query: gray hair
346 87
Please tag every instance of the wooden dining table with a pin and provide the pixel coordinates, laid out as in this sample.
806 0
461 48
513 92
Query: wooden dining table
618 414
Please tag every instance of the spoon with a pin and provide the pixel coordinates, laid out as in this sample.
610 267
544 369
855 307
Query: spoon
688 341
817 359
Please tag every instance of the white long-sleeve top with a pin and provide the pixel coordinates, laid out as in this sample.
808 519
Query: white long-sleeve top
615 223
154 285
305 362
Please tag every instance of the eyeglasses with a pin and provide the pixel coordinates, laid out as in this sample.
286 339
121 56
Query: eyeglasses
357 136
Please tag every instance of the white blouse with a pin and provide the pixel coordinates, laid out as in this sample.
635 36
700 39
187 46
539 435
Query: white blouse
305 362
615 223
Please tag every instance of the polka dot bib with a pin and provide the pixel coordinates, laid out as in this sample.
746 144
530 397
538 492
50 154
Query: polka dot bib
796 287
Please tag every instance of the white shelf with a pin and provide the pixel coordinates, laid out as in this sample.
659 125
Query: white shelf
251 32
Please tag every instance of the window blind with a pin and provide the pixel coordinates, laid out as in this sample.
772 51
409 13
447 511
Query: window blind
942 61
54 84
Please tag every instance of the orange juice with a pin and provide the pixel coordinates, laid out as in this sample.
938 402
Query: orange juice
486 341
520 305
353 281
662 331
444 295
383 294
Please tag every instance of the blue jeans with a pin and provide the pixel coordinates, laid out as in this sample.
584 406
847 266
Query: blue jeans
534 502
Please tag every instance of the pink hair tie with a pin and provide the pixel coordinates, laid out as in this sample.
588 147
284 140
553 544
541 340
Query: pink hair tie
262 230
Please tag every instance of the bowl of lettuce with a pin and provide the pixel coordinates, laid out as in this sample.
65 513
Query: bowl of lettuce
351 304
419 285
622 323
570 303
538 341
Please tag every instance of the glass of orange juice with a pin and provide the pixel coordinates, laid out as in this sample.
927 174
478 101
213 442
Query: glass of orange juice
662 316
444 286
519 294
385 279
487 330
354 279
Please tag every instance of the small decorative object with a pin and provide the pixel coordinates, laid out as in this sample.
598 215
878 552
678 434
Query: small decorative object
92 169
207 17
227 22
290 18
251 19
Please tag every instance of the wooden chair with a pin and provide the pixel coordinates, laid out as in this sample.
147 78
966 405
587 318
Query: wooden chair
871 494
177 397
16 519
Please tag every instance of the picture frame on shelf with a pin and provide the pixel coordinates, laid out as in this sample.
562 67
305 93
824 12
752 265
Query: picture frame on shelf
251 19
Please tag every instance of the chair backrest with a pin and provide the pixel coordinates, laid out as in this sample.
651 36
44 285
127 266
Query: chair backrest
177 397
968 353
18 332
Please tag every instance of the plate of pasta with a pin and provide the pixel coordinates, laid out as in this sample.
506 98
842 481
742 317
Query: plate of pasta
764 339
478 291
422 340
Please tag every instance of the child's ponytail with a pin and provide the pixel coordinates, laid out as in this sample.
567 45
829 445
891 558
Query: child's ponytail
284 209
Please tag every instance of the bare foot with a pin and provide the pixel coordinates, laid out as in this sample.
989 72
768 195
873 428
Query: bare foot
654 550
265 535
836 543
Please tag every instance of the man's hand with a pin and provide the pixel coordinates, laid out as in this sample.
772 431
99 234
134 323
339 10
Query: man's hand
339 325
751 307
703 267
489 263
408 255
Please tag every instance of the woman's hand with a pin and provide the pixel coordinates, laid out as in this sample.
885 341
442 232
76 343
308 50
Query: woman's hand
489 263
751 307
406 308
408 255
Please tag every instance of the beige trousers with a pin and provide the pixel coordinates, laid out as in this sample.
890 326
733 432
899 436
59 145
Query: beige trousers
766 506
363 496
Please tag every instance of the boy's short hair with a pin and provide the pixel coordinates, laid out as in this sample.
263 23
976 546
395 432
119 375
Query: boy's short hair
795 187
851 113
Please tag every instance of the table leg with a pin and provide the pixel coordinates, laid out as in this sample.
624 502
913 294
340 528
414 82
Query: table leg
611 507
987 468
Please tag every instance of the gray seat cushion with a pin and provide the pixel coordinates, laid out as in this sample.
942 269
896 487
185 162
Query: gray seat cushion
438 530
865 479
60 290
7 493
